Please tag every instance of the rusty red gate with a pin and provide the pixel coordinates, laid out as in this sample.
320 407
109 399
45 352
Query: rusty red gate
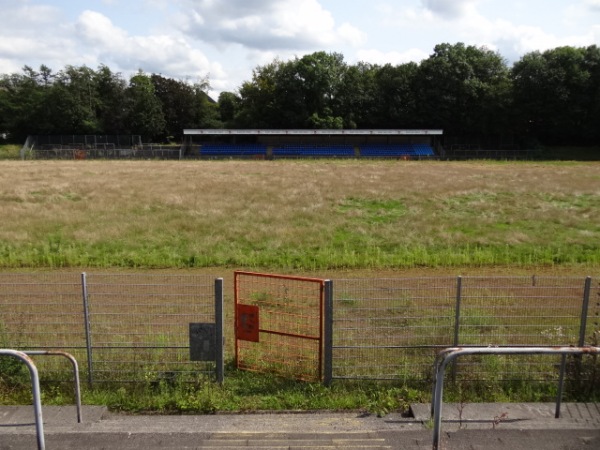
279 324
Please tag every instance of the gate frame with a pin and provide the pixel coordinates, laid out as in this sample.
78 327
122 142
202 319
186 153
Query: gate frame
325 297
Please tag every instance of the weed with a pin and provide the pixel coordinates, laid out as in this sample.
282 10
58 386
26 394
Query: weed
499 419
13 373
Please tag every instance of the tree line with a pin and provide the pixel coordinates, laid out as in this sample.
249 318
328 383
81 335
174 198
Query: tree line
80 100
550 97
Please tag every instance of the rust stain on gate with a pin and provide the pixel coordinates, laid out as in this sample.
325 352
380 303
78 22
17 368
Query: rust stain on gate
279 324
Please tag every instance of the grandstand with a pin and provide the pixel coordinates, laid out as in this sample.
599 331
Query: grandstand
281 144
248 144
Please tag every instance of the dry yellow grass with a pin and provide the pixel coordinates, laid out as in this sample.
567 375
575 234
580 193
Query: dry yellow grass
298 214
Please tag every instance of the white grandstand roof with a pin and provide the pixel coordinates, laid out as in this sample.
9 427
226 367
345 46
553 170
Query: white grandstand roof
221 132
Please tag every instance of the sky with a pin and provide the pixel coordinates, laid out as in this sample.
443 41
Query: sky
224 40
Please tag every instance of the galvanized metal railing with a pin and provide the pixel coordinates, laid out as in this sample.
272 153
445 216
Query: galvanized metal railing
448 355
35 384
35 388
76 381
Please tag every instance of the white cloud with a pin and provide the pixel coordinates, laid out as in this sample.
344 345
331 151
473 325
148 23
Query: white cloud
351 34
513 41
449 9
98 30
166 54
266 24
32 35
464 22
228 38
594 5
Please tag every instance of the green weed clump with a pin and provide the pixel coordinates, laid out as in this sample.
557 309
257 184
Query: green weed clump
252 392
241 392
9 151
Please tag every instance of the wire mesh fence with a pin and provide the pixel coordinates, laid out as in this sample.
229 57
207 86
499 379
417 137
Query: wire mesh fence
43 311
386 328
77 147
136 327
393 328
121 327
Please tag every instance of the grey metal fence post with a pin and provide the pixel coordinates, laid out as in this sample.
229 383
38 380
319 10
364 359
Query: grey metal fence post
457 322
220 344
585 303
561 385
88 334
584 310
328 334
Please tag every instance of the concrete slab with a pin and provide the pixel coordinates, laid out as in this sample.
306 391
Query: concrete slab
476 426
517 415
52 415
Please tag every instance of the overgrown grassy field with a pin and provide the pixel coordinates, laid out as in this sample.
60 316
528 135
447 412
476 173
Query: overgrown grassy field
298 215
334 216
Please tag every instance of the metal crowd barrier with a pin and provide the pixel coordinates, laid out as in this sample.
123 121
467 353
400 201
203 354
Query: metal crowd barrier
35 385
449 354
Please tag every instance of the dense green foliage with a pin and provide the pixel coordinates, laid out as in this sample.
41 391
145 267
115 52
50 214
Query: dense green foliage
550 97
80 100
246 392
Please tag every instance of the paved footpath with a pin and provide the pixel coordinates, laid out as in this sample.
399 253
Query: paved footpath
495 426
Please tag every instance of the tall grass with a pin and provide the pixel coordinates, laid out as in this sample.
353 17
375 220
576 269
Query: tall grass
298 214
9 151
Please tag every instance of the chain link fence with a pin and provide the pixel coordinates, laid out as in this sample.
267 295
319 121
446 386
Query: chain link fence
120 327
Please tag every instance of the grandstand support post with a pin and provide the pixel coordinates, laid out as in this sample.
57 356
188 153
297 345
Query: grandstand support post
328 334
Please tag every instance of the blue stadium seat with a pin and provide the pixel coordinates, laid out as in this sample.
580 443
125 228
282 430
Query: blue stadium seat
232 150
313 151
396 150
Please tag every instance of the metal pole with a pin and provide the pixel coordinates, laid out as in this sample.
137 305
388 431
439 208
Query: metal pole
584 310
73 361
328 334
220 344
88 334
457 321
35 388
561 383
450 354
457 313
438 360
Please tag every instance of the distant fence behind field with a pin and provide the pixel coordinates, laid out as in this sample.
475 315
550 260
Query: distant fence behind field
78 147
136 327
